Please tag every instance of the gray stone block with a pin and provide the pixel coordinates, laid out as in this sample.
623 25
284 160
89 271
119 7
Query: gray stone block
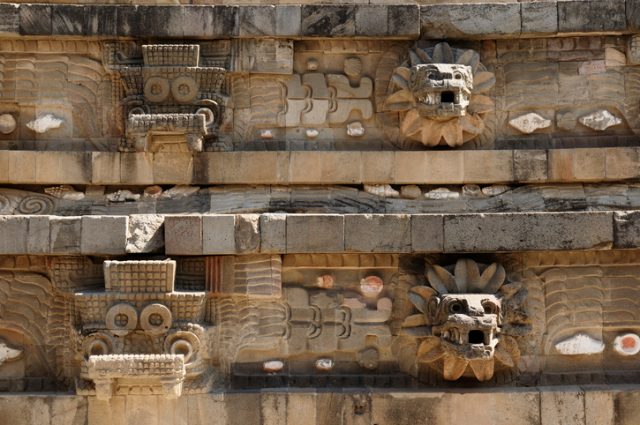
273 233
35 19
101 20
38 235
591 15
372 20
315 233
626 229
225 21
65 235
427 233
539 17
247 233
470 20
14 234
403 20
104 235
183 235
336 21
257 20
9 19
197 21
218 234
633 15
377 233
528 231
288 20
68 19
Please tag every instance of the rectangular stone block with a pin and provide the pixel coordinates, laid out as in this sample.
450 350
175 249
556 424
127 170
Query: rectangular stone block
328 21
410 167
441 21
225 21
403 20
9 19
444 167
63 167
626 229
530 165
539 17
104 235
172 168
35 19
218 234
488 166
377 233
101 20
528 231
247 233
427 233
253 167
589 164
562 406
273 233
68 19
372 20
288 20
22 167
622 163
257 21
38 241
4 166
315 233
14 234
136 168
197 21
591 16
183 235
65 235
377 167
105 168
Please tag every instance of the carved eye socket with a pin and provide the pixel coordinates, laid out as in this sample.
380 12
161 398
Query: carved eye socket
489 307
456 307
457 76
432 76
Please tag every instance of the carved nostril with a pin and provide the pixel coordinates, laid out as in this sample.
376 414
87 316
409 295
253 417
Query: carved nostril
476 337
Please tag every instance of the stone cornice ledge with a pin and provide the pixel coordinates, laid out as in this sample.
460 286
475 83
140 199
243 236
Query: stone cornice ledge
406 21
326 168
224 234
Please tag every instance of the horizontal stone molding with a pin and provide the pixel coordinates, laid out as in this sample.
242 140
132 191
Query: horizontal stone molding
276 233
318 167
571 404
403 21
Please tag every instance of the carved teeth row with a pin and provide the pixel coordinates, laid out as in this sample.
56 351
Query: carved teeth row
453 335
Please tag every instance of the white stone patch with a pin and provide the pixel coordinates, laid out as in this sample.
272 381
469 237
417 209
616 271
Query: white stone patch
64 192
442 193
324 365
44 123
381 190
627 344
355 129
599 120
273 366
8 353
7 123
529 123
312 133
580 344
122 196
180 191
495 190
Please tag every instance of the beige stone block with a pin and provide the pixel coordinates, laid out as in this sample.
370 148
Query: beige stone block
247 233
274 408
25 410
273 233
324 167
136 168
104 235
561 165
488 166
105 168
562 406
315 233
589 164
622 163
402 408
14 234
243 408
410 167
514 407
172 168
301 408
427 233
4 167
145 234
38 234
22 167
252 167
209 167
142 409
528 231
218 234
183 235
65 235
203 407
377 232
627 406
444 167
599 407
173 411
377 167
68 410
63 167
530 166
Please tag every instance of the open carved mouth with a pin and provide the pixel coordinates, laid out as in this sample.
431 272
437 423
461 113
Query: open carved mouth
463 336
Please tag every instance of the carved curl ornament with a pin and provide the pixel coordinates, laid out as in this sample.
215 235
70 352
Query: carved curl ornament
462 328
440 95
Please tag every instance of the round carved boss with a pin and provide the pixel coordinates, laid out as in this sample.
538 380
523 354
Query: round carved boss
121 319
182 342
156 89
184 89
97 344
155 319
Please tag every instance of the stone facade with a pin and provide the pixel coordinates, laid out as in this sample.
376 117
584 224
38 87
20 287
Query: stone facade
319 213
